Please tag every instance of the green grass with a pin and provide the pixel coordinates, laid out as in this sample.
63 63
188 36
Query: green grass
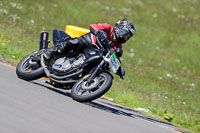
161 62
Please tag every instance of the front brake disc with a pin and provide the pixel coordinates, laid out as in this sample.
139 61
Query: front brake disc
92 85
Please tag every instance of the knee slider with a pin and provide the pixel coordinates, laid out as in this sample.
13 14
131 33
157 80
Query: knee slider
74 41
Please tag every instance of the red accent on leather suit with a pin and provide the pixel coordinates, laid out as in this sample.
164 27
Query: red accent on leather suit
109 29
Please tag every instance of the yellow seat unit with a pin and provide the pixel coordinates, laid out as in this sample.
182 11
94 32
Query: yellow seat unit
75 31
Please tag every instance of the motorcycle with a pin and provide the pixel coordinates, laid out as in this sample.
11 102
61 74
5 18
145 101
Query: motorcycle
87 73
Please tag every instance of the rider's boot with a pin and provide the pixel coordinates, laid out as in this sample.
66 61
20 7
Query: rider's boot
73 43
48 53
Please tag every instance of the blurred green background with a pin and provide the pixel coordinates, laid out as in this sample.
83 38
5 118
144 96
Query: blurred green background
162 60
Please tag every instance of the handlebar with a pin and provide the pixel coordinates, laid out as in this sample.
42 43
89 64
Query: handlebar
100 43
109 44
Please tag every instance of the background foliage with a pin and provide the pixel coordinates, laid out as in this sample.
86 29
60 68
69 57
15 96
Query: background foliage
161 61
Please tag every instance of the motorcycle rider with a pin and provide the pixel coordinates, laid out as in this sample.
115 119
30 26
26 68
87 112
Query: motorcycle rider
117 35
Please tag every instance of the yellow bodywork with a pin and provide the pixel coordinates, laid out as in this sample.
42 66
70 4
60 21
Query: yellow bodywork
75 31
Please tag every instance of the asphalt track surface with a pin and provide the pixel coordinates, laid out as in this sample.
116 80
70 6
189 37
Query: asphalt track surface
36 107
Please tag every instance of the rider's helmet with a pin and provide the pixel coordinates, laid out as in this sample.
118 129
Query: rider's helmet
124 29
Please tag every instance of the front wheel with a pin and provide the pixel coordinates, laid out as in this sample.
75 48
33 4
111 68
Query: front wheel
29 71
84 92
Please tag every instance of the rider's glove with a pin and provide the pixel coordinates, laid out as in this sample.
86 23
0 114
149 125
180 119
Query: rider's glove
109 44
101 35
121 72
119 52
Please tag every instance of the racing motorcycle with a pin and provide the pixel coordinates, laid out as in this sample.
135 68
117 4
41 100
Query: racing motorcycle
87 73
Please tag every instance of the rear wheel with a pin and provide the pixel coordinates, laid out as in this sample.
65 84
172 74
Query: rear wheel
84 92
28 70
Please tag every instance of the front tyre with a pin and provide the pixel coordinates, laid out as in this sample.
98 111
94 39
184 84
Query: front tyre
84 92
29 71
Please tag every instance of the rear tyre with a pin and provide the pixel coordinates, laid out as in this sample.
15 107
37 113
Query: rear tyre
29 71
83 92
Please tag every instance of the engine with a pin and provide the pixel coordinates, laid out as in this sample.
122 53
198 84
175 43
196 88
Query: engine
64 64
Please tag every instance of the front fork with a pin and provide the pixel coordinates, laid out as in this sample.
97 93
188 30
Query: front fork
97 69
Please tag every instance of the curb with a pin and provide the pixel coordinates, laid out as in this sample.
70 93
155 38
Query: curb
10 63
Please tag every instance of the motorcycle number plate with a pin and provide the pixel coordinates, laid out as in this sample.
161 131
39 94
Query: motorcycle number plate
114 63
